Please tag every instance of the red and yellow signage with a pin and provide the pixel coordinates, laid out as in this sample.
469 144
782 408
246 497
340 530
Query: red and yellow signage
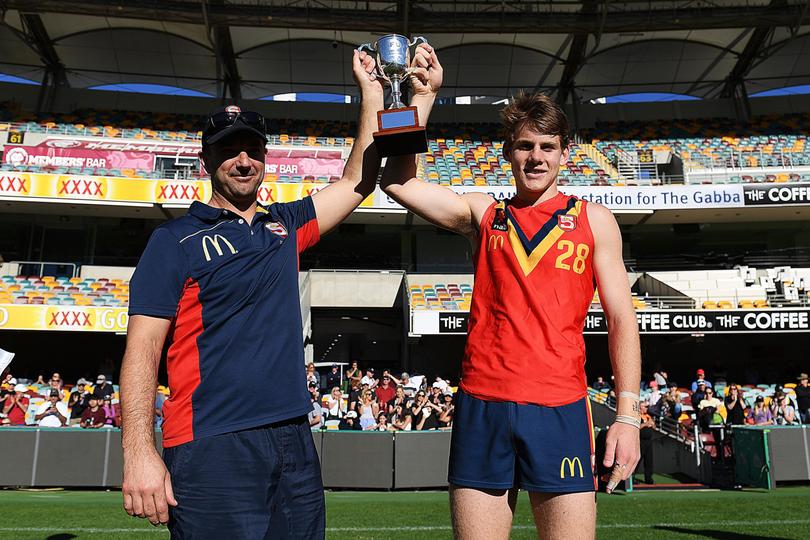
69 318
138 190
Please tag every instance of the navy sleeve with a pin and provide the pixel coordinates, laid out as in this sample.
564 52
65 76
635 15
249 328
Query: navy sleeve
300 217
158 281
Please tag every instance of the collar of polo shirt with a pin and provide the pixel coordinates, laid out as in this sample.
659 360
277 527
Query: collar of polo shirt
206 212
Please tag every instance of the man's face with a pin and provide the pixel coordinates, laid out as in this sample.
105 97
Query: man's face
53 399
803 382
386 380
93 402
536 160
236 166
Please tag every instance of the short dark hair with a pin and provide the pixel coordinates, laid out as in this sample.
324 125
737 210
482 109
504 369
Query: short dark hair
536 111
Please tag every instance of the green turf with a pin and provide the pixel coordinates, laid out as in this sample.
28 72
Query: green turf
782 513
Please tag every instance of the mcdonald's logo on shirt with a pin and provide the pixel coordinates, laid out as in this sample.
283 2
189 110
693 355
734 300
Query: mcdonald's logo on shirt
214 241
495 242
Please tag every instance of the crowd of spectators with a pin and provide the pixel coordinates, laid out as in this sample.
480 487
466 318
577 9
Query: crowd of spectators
722 404
360 400
54 404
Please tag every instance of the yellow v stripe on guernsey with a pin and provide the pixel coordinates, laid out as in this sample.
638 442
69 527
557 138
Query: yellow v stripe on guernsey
260 209
528 262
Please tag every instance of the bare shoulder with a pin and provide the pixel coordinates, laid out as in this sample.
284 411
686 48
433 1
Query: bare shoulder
478 203
599 213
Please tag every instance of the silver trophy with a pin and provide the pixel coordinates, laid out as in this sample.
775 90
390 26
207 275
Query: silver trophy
399 130
393 56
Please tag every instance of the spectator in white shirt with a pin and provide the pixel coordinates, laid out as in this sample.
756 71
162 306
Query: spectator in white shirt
52 413
369 379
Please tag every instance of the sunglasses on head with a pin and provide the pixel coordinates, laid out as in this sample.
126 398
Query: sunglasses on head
224 119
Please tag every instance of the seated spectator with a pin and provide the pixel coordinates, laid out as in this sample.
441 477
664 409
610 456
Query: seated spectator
335 408
782 411
698 394
333 377
424 413
16 404
353 375
671 406
410 385
760 415
400 399
735 406
52 413
355 392
312 376
369 379
54 383
368 410
436 394
803 398
701 377
350 422
654 400
400 419
382 423
93 416
445 420
103 387
385 391
709 410
112 411
441 384
316 414
600 385
661 378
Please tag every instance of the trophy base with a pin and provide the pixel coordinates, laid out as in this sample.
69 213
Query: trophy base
400 133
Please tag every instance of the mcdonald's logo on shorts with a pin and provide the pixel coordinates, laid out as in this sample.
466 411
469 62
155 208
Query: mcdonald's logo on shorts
495 242
571 463
214 242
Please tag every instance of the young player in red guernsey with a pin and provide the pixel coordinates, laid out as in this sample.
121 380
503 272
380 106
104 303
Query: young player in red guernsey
522 418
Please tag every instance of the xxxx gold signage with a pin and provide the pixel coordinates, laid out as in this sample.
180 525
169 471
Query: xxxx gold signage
63 318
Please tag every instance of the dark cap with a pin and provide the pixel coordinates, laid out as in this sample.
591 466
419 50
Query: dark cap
54 393
229 120
759 398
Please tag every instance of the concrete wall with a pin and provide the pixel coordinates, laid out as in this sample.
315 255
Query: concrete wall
354 289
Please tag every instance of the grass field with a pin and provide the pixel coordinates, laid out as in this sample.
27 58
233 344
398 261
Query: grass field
782 513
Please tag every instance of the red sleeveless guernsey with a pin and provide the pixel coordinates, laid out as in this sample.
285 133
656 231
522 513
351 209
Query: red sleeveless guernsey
533 285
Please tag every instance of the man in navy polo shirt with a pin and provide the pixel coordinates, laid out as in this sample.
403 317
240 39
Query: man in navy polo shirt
222 283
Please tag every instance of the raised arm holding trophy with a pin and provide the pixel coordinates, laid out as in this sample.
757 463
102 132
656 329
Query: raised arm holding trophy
399 130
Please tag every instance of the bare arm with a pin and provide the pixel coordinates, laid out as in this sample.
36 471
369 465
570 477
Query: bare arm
147 486
437 204
334 203
623 341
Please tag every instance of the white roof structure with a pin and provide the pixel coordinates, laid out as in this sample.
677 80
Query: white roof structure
259 48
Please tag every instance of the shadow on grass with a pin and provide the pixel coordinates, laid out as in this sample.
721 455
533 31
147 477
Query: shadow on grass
719 535
62 536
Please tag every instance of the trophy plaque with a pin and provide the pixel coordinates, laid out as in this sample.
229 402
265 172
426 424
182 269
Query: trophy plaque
399 130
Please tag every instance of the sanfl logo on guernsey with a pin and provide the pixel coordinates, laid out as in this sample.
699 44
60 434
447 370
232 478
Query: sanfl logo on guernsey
214 241
567 222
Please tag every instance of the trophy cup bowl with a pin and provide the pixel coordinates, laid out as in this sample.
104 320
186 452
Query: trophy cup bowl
399 130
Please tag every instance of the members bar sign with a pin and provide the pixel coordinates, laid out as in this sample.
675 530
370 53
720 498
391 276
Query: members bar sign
649 322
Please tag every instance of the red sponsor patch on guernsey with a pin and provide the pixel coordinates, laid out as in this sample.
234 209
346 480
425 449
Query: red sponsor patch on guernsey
567 222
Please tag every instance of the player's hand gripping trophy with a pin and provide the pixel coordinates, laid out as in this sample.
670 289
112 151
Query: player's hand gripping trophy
399 130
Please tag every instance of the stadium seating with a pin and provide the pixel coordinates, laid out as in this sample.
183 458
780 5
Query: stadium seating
440 296
64 291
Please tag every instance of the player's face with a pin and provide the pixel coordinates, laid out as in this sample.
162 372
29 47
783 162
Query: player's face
536 159
236 166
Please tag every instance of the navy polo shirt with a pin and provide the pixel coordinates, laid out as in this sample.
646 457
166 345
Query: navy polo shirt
236 354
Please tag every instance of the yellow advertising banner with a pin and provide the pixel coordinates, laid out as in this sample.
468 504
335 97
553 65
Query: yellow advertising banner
141 190
69 318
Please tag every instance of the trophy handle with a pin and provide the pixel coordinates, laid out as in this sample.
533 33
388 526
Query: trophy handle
417 40
369 48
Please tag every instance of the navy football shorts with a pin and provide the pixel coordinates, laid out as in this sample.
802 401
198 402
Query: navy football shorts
261 483
502 444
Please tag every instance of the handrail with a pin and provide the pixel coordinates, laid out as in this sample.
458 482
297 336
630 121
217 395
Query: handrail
42 265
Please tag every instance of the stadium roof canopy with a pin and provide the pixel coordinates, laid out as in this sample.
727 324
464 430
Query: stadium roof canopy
256 48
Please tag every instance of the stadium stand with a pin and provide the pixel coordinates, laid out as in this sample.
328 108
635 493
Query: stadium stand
64 291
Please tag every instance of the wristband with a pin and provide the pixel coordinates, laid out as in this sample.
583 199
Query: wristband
629 420
626 394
